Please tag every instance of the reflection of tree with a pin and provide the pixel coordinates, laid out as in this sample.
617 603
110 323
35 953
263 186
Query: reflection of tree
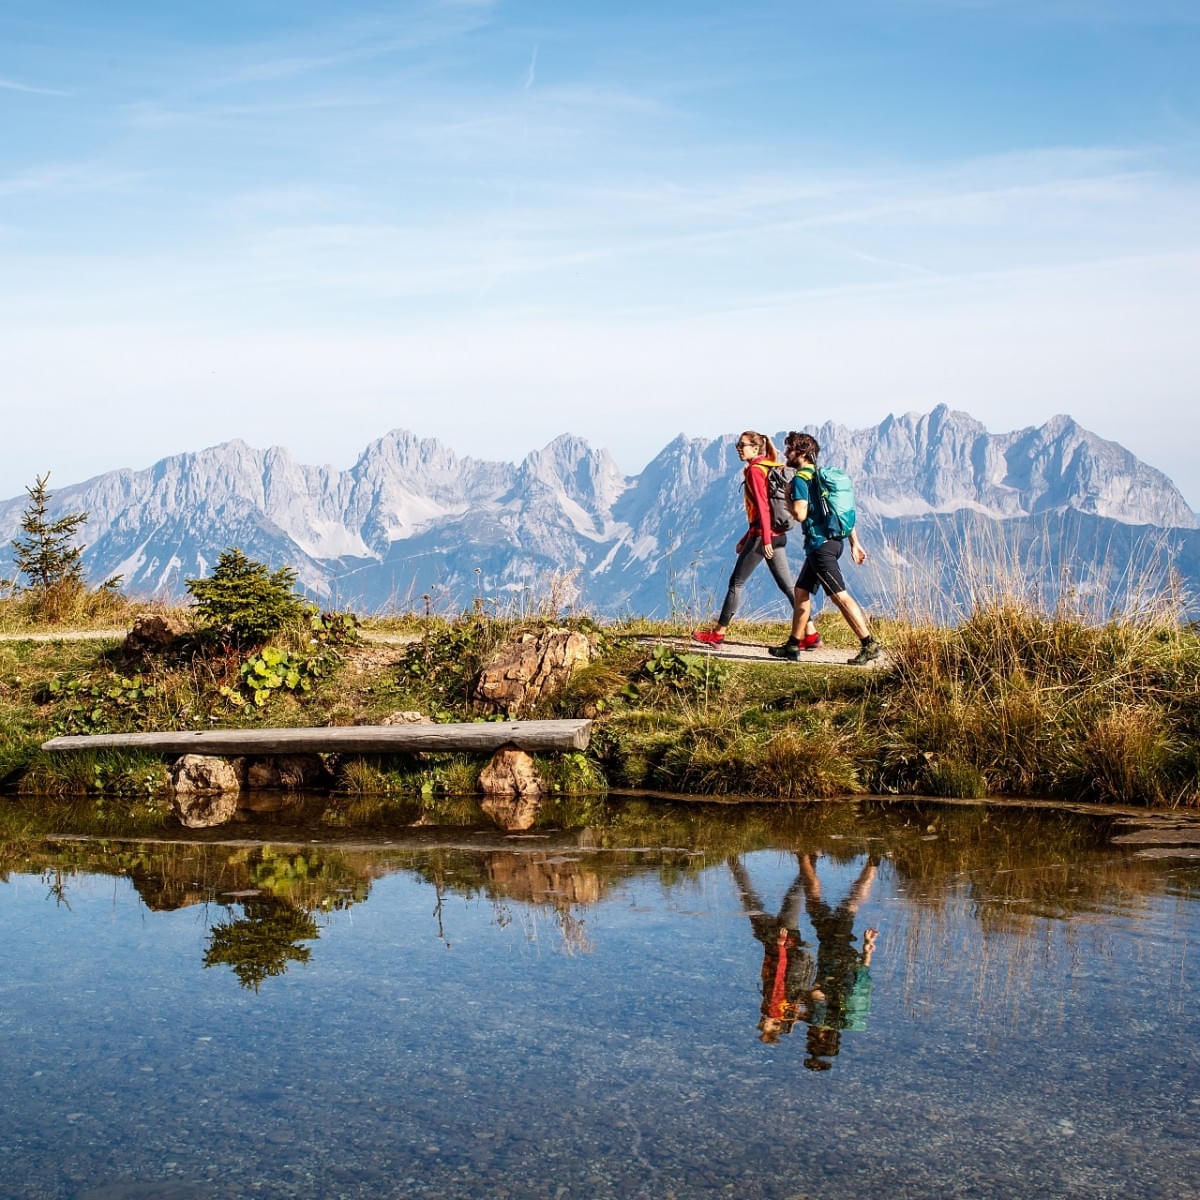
53 879
262 942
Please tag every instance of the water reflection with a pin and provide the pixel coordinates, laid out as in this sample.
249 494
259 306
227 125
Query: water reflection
842 992
263 942
1014 868
829 994
982 998
788 969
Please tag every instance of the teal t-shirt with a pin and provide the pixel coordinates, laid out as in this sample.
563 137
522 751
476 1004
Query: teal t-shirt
803 489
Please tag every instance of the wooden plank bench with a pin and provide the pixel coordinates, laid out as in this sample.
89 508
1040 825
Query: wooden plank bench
483 736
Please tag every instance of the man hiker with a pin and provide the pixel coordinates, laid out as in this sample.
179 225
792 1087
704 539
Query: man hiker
825 533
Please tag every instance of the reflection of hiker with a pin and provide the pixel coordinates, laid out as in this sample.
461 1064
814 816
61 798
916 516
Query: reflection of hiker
826 531
787 967
842 991
766 537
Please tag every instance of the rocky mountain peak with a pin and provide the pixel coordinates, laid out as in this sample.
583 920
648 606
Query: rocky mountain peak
411 514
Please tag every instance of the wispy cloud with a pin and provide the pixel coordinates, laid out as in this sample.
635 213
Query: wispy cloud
61 179
661 205
1087 12
11 85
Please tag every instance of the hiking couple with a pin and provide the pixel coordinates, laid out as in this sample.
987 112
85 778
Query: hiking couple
821 502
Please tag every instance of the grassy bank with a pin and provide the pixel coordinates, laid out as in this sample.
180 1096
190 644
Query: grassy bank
1007 701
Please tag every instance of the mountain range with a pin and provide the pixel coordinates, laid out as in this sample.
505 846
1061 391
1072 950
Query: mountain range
1043 507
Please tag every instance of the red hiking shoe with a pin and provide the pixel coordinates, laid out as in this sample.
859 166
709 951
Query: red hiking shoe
810 641
708 637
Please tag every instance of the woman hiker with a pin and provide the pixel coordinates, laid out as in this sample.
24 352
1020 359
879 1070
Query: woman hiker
761 541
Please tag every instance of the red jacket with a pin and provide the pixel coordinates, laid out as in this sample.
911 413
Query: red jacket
758 507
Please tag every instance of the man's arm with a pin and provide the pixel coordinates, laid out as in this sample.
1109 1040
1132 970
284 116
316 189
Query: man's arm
798 501
858 551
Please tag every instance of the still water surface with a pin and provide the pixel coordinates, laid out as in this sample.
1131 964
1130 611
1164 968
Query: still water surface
608 1011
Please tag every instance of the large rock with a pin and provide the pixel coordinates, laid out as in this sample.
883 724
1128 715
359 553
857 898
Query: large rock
289 772
152 632
530 668
195 774
512 789
205 789
511 772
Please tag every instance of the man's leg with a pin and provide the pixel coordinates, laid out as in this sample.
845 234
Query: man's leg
783 580
828 573
801 620
860 891
855 617
812 884
801 611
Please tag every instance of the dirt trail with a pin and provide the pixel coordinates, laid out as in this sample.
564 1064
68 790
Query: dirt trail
100 635
753 652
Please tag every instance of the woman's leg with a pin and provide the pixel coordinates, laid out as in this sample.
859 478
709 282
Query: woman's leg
749 558
781 574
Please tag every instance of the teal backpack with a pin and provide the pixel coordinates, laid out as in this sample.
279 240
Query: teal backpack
831 496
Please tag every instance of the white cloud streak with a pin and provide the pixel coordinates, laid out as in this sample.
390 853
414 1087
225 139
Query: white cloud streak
11 85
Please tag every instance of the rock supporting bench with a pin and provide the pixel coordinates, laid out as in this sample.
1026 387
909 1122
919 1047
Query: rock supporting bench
479 736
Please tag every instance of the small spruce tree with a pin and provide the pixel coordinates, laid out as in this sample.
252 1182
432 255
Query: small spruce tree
245 601
48 556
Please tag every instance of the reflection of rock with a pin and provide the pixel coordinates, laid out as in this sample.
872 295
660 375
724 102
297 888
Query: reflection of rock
202 810
530 668
540 880
205 789
513 813
263 802
290 772
152 631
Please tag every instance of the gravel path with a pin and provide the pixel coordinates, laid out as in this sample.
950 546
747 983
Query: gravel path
729 651
753 652
100 635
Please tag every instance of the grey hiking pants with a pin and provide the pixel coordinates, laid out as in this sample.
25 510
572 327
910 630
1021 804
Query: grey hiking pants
749 558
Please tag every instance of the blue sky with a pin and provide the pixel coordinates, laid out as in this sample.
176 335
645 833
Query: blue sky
305 224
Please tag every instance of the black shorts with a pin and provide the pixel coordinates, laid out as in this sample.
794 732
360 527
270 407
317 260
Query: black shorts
821 569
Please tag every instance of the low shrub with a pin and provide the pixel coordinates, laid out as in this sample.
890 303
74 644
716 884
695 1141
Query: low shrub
243 602
438 672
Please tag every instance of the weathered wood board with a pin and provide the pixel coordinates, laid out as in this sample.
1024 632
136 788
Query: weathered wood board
484 736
